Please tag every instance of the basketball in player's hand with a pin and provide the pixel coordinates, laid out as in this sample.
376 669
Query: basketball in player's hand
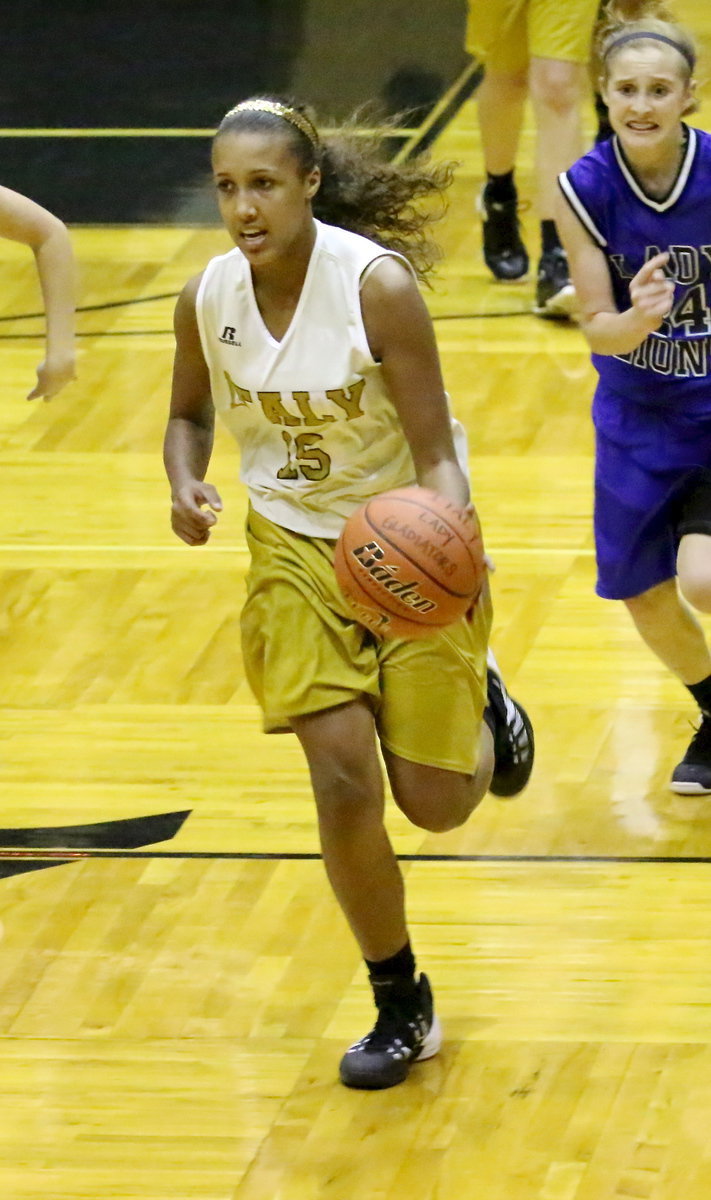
409 562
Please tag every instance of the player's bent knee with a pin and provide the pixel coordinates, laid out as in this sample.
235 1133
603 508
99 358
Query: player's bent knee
696 590
438 809
438 818
556 85
694 563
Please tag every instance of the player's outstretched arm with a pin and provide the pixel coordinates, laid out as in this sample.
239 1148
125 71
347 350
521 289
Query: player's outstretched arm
22 220
607 330
401 338
189 434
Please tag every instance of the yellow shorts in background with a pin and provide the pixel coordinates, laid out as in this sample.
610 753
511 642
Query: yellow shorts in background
505 33
303 653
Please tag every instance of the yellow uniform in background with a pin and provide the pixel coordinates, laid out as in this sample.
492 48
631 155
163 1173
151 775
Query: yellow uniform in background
506 33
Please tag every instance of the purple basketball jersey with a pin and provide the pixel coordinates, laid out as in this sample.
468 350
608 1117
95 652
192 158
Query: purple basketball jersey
672 366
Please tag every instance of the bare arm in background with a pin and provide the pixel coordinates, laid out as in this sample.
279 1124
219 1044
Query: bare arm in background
21 220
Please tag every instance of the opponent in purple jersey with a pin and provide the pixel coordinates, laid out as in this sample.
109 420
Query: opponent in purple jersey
634 216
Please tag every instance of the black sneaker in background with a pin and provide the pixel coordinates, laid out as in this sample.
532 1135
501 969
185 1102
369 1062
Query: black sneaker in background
555 294
692 776
405 1032
504 252
512 730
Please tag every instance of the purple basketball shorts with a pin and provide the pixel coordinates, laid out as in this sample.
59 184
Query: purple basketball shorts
645 458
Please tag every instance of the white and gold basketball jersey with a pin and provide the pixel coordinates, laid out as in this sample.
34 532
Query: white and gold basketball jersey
317 430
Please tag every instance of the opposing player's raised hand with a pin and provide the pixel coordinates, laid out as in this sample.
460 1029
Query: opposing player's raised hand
193 512
652 292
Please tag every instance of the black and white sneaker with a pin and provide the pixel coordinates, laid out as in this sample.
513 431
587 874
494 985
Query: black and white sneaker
504 252
555 294
692 776
405 1032
513 736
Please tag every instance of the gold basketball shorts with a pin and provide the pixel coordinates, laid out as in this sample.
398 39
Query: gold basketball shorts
304 653
505 34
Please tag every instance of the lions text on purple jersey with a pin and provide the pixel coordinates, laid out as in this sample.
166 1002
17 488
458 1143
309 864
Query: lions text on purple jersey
672 365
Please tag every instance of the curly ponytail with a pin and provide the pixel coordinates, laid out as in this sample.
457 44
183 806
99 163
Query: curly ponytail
364 192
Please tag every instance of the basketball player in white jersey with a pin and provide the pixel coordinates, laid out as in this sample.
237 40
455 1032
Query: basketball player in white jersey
312 342
21 220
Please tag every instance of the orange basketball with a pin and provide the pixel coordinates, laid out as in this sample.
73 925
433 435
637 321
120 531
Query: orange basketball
410 562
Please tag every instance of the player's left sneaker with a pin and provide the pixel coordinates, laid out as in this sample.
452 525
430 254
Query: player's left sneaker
504 252
692 776
405 1032
555 294
512 730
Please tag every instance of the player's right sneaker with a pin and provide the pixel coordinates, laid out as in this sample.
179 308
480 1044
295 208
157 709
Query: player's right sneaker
405 1032
504 252
512 730
692 776
555 294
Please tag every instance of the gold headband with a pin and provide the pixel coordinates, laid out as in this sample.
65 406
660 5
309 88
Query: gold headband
297 119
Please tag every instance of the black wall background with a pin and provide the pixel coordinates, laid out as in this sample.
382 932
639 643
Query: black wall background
182 63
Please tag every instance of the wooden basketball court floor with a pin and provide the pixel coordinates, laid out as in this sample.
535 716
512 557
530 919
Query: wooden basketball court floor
172 1014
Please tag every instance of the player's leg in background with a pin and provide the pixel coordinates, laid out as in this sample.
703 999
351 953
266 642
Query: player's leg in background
693 527
671 630
557 90
496 36
560 39
648 507
501 100
693 774
694 567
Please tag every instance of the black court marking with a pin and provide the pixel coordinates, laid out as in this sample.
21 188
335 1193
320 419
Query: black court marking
486 316
95 333
109 304
50 846
51 855
98 333
125 834
82 308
